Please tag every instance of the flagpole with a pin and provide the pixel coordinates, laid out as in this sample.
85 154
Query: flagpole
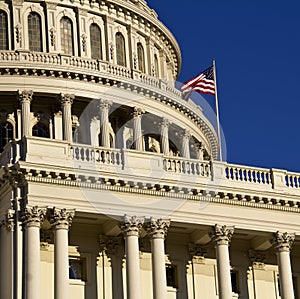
217 110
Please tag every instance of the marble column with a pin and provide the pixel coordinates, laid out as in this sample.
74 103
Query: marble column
32 218
104 106
66 101
164 136
61 222
185 146
283 244
6 255
131 227
25 98
222 237
157 230
137 129
200 151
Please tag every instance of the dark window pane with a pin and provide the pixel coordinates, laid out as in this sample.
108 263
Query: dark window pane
35 32
3 31
156 66
171 274
41 130
95 36
141 58
120 48
6 131
66 36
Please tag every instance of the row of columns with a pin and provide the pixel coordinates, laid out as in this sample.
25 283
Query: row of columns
66 100
282 241
157 230
61 220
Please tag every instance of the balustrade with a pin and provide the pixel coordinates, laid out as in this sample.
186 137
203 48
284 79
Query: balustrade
248 174
292 180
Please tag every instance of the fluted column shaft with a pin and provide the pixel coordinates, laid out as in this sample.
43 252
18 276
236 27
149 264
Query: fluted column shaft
131 227
25 98
6 256
157 229
61 222
164 139
185 146
104 106
222 237
32 218
283 243
66 104
137 129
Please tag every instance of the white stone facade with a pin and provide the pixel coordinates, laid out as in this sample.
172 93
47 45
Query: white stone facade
109 184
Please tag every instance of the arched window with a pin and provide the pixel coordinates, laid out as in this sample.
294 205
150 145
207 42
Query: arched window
3 31
35 32
6 131
95 37
141 57
120 48
156 67
66 36
41 130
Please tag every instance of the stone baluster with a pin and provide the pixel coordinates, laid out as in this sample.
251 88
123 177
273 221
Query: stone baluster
131 227
6 255
157 230
32 218
185 146
104 106
283 244
222 237
25 98
66 101
137 129
61 222
164 136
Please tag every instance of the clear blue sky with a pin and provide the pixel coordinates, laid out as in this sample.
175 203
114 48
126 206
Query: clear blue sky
256 45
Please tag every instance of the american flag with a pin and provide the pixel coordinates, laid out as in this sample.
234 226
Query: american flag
203 83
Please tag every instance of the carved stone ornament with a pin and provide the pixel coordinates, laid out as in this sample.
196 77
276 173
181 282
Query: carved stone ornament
67 99
165 123
33 216
110 245
18 30
137 112
131 226
196 250
52 37
62 218
8 220
104 104
222 234
25 95
158 228
84 42
283 241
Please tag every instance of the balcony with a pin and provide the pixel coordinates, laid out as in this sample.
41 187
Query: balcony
238 183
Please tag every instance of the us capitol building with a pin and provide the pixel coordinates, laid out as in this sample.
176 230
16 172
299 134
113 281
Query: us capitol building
110 186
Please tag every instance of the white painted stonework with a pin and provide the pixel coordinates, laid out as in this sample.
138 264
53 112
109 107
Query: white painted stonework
109 184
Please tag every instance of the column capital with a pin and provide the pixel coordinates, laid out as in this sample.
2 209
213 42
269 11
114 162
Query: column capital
62 218
131 226
25 96
158 228
165 123
33 216
66 99
186 134
222 234
283 241
110 245
8 220
137 112
104 104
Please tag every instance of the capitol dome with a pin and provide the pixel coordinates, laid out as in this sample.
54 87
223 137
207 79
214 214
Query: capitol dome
110 184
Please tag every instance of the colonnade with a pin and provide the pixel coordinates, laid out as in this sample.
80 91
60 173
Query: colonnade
102 110
131 226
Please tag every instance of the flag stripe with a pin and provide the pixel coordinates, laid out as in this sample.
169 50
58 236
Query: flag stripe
203 83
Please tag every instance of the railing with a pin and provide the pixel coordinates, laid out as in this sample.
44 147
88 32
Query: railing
84 153
187 166
292 180
248 174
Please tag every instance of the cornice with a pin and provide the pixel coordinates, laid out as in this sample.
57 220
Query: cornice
32 175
